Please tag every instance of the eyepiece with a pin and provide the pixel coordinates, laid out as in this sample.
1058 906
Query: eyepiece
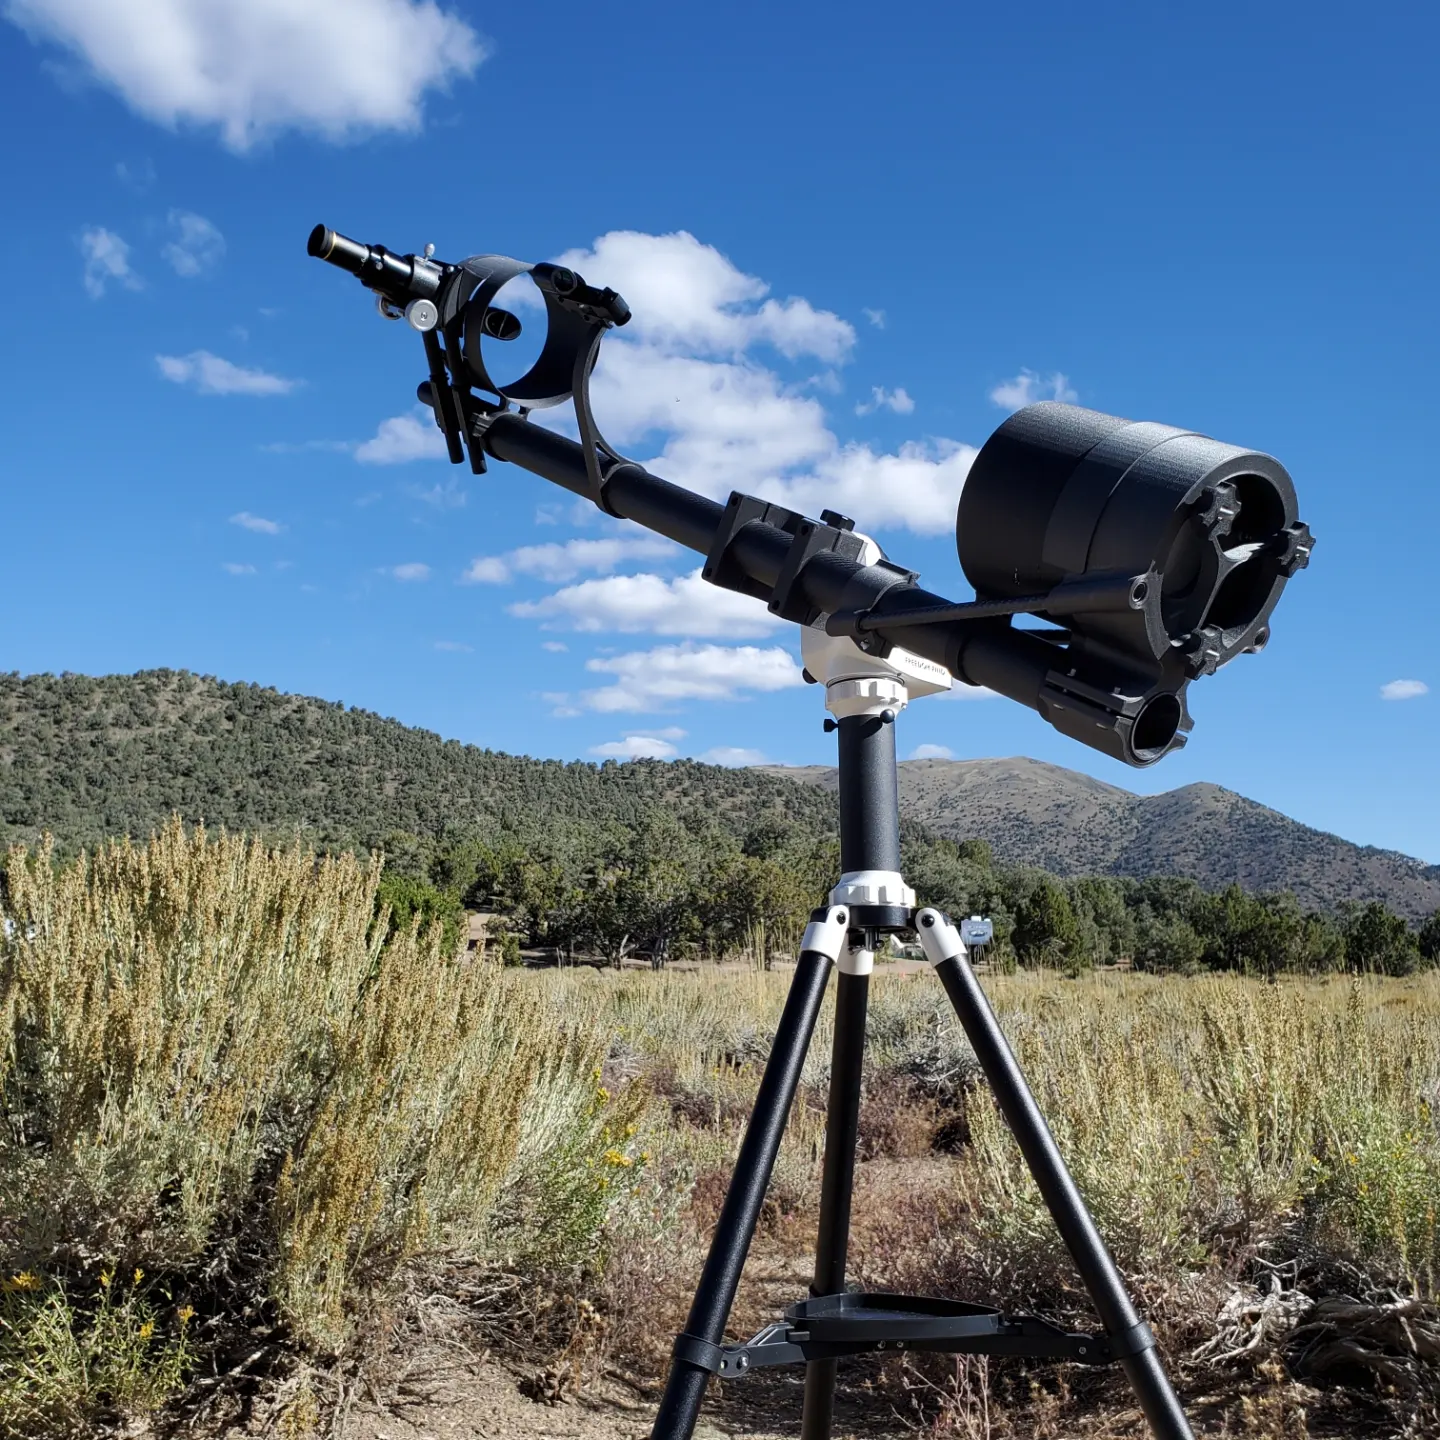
326 244
400 278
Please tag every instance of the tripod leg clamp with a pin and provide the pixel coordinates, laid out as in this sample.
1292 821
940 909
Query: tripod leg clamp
1134 1341
692 1350
825 934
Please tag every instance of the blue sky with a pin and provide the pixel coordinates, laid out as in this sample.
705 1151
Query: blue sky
851 238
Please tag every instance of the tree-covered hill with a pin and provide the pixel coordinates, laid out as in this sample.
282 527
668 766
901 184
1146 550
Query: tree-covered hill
665 857
85 758
1032 813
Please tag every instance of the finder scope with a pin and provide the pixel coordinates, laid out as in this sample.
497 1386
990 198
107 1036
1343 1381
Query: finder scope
1151 555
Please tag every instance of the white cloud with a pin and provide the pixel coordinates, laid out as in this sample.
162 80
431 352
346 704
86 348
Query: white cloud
253 68
635 747
1404 690
1027 387
444 495
402 439
932 752
414 570
732 756
195 246
650 603
882 399
211 375
458 646
556 647
875 317
682 374
246 521
555 562
107 257
688 297
231 568
650 680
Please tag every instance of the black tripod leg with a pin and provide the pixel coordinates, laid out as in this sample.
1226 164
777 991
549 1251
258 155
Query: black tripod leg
684 1390
1107 1290
842 1125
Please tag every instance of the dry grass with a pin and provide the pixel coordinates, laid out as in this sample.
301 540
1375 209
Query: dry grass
239 1120
216 1072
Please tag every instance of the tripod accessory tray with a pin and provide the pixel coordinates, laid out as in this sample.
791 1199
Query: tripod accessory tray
855 1323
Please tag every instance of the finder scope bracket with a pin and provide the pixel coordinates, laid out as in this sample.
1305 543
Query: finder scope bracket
1151 555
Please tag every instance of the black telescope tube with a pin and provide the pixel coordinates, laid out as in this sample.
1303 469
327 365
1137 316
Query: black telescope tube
995 656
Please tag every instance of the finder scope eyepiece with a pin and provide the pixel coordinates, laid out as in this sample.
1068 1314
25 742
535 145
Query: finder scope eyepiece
401 278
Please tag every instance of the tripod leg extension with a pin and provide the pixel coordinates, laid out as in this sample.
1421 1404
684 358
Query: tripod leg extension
842 1126
1157 1398
715 1294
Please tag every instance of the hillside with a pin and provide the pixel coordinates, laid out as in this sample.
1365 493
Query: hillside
89 757
85 758
1038 814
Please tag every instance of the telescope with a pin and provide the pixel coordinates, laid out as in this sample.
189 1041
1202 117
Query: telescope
1151 555
1144 556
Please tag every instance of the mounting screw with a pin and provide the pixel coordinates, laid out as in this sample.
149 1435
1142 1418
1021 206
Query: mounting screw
887 717
927 921
1081 1350
743 1362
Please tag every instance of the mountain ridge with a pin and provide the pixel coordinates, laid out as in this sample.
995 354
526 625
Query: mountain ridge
1033 812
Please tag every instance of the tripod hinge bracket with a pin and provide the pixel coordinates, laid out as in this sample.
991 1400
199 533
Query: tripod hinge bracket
827 930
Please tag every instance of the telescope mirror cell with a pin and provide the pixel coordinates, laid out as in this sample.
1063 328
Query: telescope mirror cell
1209 530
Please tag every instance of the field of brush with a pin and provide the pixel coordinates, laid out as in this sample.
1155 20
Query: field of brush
254 1145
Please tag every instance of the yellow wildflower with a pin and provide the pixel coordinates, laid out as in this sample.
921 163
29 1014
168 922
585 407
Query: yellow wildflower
618 1157
147 1329
106 1276
25 1280
186 1313
139 1275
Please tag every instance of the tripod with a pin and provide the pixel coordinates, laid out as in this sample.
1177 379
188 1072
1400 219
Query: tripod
870 903
1154 555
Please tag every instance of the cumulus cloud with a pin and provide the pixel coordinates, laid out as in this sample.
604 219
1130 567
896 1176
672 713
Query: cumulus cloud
195 244
650 603
555 562
732 756
230 567
211 375
932 752
402 439
107 258
683 381
647 745
253 68
688 298
883 399
651 680
413 570
1404 690
1027 387
261 526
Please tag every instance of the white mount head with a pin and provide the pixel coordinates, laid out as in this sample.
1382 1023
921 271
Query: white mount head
860 684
